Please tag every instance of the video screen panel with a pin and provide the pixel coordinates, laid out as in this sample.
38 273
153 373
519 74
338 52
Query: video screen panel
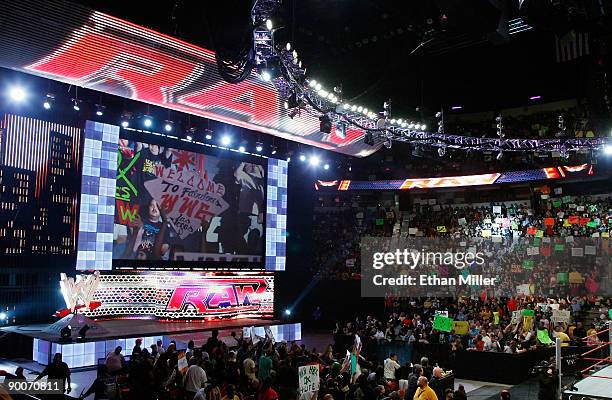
175 204
219 209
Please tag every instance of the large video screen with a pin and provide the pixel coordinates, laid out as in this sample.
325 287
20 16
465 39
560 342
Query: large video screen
154 202
175 204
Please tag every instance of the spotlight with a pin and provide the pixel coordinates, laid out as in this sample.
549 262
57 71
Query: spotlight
273 151
3 316
208 135
359 109
269 24
83 331
533 98
100 110
314 160
147 121
326 166
500 155
226 140
266 76
242 149
423 127
168 126
288 47
76 104
441 151
302 157
393 120
48 101
318 87
17 94
323 93
325 124
259 147
288 159
354 108
347 106
190 134
287 312
417 126
125 119
312 83
608 149
438 114
341 130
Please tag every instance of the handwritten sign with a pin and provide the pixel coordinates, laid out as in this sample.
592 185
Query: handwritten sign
308 376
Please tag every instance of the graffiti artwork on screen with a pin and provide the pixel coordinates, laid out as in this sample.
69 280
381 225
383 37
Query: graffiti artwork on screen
174 204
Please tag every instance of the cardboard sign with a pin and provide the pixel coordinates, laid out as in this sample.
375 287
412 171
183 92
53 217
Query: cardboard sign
528 313
462 221
562 277
412 231
308 379
441 229
497 209
549 221
486 233
590 250
543 337
443 324
577 252
183 366
561 316
461 327
516 316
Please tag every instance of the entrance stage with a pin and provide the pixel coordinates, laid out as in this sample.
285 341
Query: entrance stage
108 334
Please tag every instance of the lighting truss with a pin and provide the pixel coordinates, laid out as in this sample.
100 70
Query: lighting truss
377 126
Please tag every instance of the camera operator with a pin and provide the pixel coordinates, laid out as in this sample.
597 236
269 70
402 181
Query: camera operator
548 382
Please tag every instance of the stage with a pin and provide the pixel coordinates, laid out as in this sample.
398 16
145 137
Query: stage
596 387
105 335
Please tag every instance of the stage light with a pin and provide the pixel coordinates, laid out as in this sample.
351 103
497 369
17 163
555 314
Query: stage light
326 166
312 83
318 87
17 94
208 136
411 125
3 316
241 149
168 126
359 109
608 149
269 24
423 127
273 151
323 93
288 46
76 104
393 121
125 123
147 122
347 106
287 312
441 151
100 110
399 121
535 97
354 108
500 155
288 159
48 103
456 107
266 76
226 140
403 125
417 126
365 111
83 331
438 114
325 125
294 54
191 133
302 157
314 160
258 147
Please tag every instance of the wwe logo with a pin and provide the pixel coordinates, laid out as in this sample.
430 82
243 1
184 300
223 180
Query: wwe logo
79 294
